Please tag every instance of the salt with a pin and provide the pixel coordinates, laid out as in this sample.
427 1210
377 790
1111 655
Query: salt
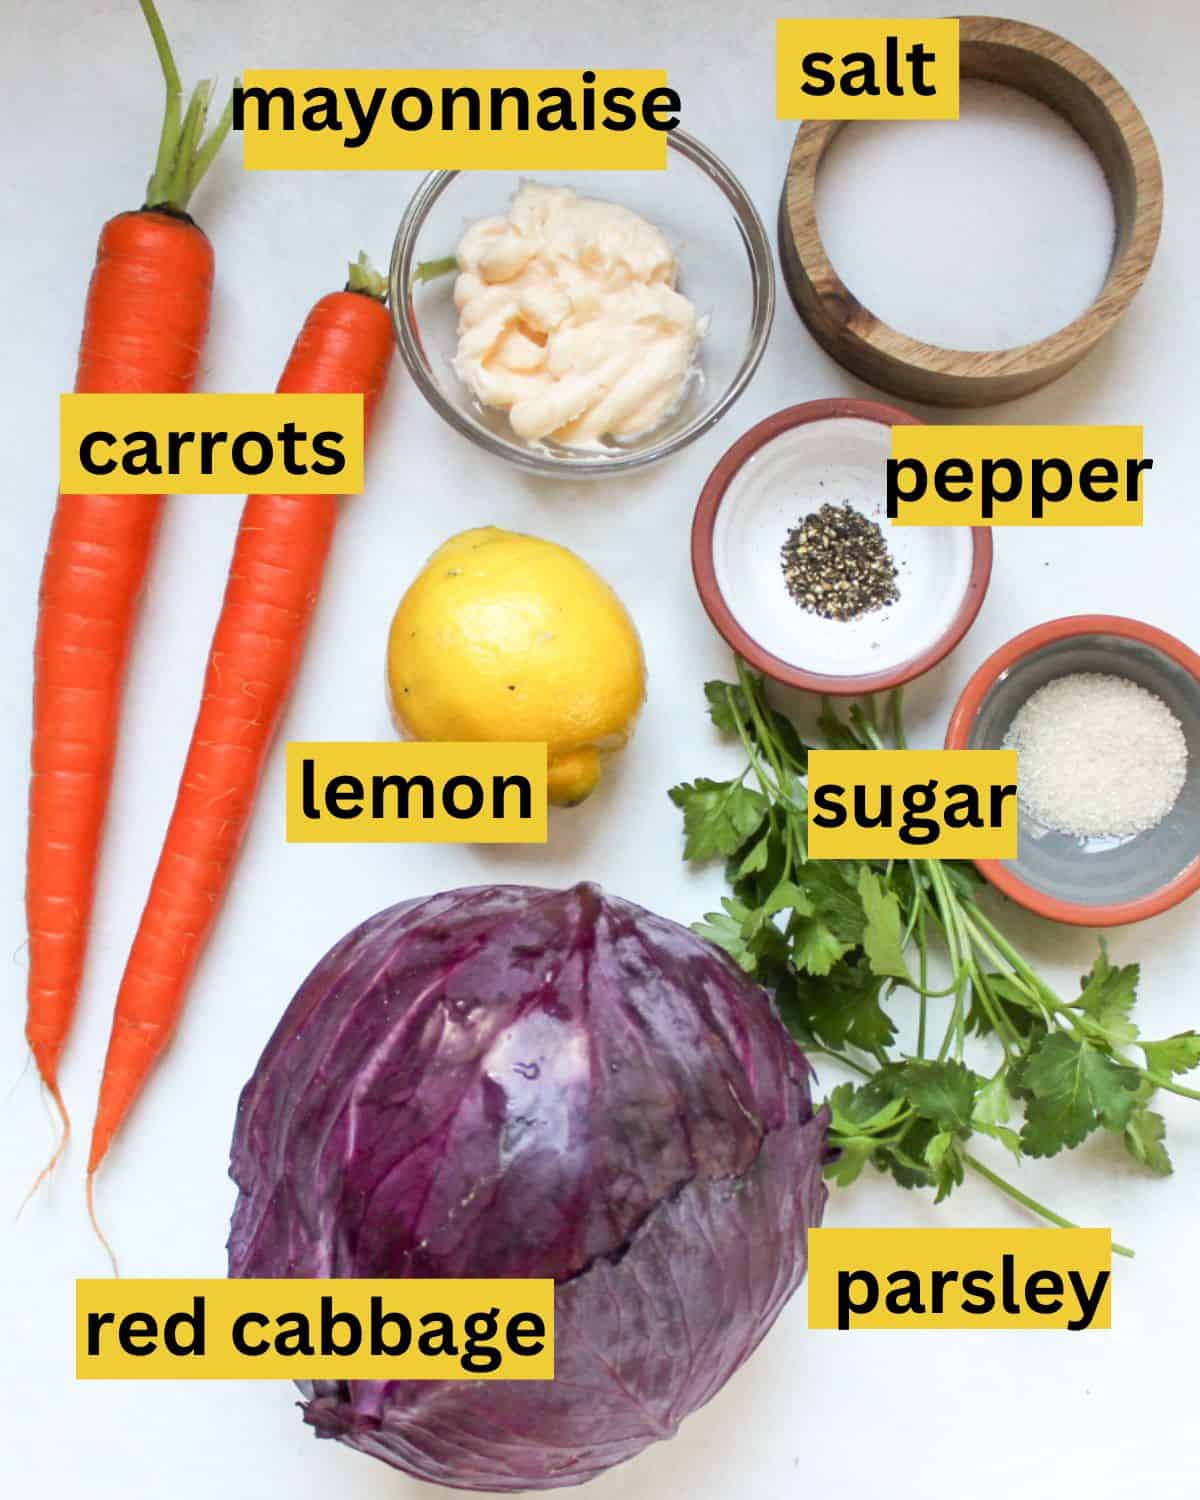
1099 756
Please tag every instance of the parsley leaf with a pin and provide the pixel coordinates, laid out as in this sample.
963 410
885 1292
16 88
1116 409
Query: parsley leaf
757 867
726 928
839 1008
1177 1054
1106 988
850 1157
944 1158
1072 1087
1009 1139
729 703
835 899
787 896
1013 1004
722 698
905 1159
883 937
864 1108
943 1092
718 816
1107 995
859 1115
756 858
993 1103
814 947
1144 1136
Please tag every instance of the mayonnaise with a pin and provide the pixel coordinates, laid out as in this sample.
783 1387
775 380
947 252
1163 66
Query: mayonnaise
568 319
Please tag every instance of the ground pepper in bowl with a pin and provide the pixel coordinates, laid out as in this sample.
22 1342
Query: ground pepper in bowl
836 564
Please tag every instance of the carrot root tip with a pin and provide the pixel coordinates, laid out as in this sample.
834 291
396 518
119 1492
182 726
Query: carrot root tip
64 1124
91 1208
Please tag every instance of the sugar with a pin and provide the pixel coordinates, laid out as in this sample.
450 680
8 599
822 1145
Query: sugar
1099 756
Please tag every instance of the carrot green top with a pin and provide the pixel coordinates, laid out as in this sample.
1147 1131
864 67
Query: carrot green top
366 279
184 152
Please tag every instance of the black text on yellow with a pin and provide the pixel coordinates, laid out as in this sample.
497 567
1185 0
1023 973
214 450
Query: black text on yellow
906 1293
855 74
210 443
1002 481
439 792
301 1328
949 1278
352 114
918 813
478 1346
912 804
251 453
403 797
866 69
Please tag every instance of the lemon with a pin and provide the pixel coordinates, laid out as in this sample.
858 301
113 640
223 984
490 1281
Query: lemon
508 637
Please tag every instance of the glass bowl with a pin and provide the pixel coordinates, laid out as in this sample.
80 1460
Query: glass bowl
725 268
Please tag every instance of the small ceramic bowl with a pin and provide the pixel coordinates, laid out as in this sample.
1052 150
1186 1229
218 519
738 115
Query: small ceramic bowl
782 470
725 268
1099 882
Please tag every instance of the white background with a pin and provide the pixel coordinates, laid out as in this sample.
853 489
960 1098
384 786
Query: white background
916 1416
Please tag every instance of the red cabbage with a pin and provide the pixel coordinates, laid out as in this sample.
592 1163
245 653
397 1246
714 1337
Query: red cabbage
507 1081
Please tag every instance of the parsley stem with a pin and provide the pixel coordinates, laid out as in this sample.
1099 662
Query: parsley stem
1001 1024
959 959
997 940
1031 1203
916 908
923 961
839 1057
866 728
1041 996
1165 1083
765 737
980 986
747 744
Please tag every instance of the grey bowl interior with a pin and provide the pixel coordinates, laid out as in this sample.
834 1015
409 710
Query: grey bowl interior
1101 872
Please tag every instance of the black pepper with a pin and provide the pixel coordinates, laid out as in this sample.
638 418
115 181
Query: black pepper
836 564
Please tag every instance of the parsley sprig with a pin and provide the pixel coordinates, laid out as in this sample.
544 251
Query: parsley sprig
837 943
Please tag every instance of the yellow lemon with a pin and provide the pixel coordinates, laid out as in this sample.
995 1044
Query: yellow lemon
507 637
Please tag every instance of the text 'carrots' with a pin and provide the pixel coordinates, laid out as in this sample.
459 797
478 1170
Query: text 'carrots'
274 579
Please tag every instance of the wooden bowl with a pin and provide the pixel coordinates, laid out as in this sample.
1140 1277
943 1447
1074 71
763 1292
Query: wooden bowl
1088 97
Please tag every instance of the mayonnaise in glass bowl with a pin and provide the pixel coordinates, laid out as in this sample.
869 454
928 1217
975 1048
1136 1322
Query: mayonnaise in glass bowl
724 269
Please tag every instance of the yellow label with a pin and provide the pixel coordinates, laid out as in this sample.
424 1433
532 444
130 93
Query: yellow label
427 119
912 804
866 70
960 1278
393 792
202 444
1016 476
314 1329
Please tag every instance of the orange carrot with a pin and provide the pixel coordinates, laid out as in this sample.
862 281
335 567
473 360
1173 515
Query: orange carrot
144 324
274 578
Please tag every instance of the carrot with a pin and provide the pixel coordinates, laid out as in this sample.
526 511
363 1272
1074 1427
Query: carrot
274 578
144 324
